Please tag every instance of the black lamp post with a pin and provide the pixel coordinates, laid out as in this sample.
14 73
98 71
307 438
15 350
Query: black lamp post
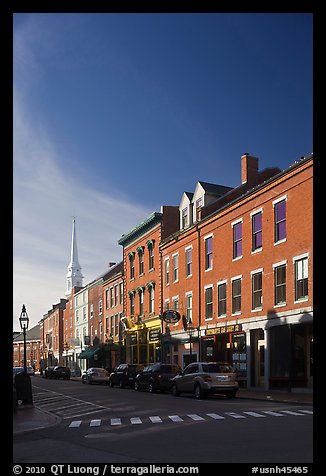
190 330
24 321
109 341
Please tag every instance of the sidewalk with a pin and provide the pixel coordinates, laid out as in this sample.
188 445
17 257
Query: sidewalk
29 418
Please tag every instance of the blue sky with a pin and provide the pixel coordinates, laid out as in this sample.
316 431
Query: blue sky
118 114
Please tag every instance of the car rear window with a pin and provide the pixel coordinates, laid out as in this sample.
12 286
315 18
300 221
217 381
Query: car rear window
168 368
218 368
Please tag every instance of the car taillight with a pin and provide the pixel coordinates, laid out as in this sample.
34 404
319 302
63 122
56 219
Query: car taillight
207 378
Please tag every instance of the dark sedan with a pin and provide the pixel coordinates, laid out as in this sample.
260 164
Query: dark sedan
156 377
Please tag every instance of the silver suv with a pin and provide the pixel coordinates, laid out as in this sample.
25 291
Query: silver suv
204 378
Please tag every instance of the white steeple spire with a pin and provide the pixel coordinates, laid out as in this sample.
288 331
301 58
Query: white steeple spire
74 275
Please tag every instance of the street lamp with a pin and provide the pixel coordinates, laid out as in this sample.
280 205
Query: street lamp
190 330
24 321
109 341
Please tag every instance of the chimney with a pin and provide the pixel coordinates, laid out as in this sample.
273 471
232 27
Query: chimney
249 168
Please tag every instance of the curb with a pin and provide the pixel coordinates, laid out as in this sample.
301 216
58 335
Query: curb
55 421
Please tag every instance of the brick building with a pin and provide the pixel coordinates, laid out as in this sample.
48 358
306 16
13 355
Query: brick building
51 335
33 348
143 287
242 274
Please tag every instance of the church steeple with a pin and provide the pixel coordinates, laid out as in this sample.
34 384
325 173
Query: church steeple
74 275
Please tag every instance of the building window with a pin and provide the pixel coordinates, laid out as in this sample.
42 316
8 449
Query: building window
132 303
175 303
175 264
257 231
151 299
77 315
221 299
132 265
84 313
141 301
100 306
111 297
237 240
188 262
236 295
257 290
150 247
116 294
280 284
184 215
209 303
140 251
189 307
280 220
167 271
301 278
166 304
199 203
209 253
121 293
106 299
116 324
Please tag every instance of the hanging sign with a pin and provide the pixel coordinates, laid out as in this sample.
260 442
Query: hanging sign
171 316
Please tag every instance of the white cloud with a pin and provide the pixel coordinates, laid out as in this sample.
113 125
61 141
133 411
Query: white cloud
45 199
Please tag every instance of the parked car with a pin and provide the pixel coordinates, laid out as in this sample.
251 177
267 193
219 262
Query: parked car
16 370
156 377
124 375
96 375
30 370
61 372
204 378
48 372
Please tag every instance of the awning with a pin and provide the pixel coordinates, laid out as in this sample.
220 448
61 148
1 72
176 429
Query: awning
89 353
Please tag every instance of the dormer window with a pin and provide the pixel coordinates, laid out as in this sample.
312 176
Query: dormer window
184 218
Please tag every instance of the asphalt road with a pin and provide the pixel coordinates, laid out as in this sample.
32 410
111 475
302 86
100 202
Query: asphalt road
100 425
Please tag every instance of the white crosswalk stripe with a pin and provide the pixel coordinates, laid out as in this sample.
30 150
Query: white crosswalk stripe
235 415
196 417
135 421
75 424
115 421
255 414
175 418
289 412
277 414
215 416
155 419
95 423
309 412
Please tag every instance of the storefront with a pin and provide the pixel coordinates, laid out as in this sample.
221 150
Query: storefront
228 344
143 343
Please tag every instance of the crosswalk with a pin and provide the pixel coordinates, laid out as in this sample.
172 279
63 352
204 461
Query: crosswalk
156 419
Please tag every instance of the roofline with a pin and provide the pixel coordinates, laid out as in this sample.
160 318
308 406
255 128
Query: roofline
138 230
249 192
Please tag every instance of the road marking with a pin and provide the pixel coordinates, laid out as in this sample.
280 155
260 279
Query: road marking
215 416
175 418
268 412
115 421
196 417
75 424
95 423
81 414
255 414
155 419
289 412
234 415
310 412
135 421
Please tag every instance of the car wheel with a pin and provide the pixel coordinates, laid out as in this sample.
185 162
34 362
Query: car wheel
121 384
199 393
111 384
175 391
151 387
136 387
83 380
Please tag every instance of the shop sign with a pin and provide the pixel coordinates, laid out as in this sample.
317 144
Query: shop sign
171 316
224 329
133 338
154 334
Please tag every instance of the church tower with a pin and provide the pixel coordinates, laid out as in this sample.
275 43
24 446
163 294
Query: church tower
74 275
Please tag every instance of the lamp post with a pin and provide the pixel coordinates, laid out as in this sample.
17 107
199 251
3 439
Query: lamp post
66 348
190 330
109 341
24 321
